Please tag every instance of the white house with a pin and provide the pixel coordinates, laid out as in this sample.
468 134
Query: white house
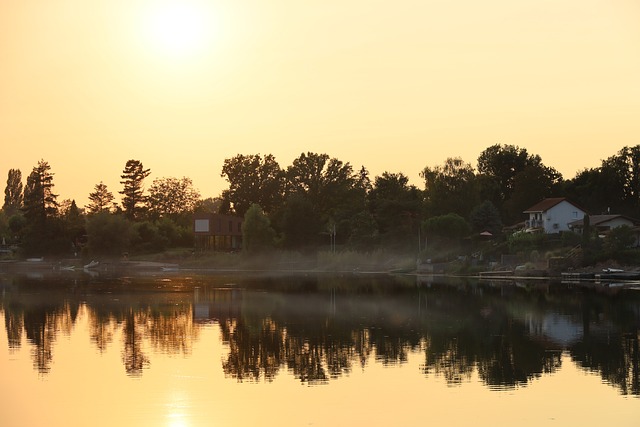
603 222
553 215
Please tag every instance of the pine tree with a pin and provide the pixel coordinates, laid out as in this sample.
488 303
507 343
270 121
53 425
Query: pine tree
101 199
42 233
133 198
39 201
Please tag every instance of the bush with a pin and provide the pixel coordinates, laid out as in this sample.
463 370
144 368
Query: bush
525 242
108 234
147 238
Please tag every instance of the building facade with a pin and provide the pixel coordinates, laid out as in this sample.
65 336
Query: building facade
553 215
217 232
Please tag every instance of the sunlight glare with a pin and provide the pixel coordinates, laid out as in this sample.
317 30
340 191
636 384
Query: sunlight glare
180 28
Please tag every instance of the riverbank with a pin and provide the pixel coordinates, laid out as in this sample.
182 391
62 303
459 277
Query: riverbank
291 262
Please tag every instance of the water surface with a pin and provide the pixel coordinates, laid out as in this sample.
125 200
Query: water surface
187 349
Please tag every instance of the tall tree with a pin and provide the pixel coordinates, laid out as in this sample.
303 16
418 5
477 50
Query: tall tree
133 198
172 197
325 181
257 233
486 217
252 179
332 189
73 224
530 185
43 231
39 201
502 163
513 179
396 207
613 187
300 224
13 192
101 199
450 188
623 170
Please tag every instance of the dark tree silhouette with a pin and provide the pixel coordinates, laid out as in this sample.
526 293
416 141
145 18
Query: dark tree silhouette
101 199
133 198
13 192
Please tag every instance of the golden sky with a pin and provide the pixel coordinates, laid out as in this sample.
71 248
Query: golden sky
392 85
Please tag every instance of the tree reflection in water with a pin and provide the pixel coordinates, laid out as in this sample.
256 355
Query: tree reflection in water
321 327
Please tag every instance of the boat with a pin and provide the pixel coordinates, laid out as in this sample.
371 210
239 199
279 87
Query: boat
92 264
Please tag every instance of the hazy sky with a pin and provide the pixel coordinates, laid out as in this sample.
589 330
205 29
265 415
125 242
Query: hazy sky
392 85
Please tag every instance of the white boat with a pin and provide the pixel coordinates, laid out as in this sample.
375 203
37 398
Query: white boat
92 264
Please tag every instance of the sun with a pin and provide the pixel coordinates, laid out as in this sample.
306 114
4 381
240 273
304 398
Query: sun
179 28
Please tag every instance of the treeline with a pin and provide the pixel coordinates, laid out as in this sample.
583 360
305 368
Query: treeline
317 201
34 221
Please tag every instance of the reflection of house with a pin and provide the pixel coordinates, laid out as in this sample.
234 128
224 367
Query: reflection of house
552 215
555 329
217 232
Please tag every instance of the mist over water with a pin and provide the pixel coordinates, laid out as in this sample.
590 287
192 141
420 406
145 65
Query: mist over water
332 331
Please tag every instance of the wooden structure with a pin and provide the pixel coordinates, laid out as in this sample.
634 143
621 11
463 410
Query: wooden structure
217 232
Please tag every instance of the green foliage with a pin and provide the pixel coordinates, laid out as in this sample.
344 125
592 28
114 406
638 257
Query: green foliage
613 187
530 185
109 234
147 238
515 178
253 179
5 231
17 223
301 223
395 206
502 163
525 242
450 226
443 235
39 201
101 199
363 231
619 239
451 188
175 234
486 217
257 233
43 233
172 197
13 192
74 225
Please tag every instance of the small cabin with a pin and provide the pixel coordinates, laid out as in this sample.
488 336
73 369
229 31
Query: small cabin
217 232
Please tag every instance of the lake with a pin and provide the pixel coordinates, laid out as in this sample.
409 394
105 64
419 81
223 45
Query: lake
189 348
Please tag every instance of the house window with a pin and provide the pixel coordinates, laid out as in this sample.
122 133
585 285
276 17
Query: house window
575 214
202 226
555 226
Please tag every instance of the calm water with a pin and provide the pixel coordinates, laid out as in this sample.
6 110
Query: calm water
184 349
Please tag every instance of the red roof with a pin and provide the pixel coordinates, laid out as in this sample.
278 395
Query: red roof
546 204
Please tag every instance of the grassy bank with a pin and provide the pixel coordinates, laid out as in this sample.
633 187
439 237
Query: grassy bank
285 260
